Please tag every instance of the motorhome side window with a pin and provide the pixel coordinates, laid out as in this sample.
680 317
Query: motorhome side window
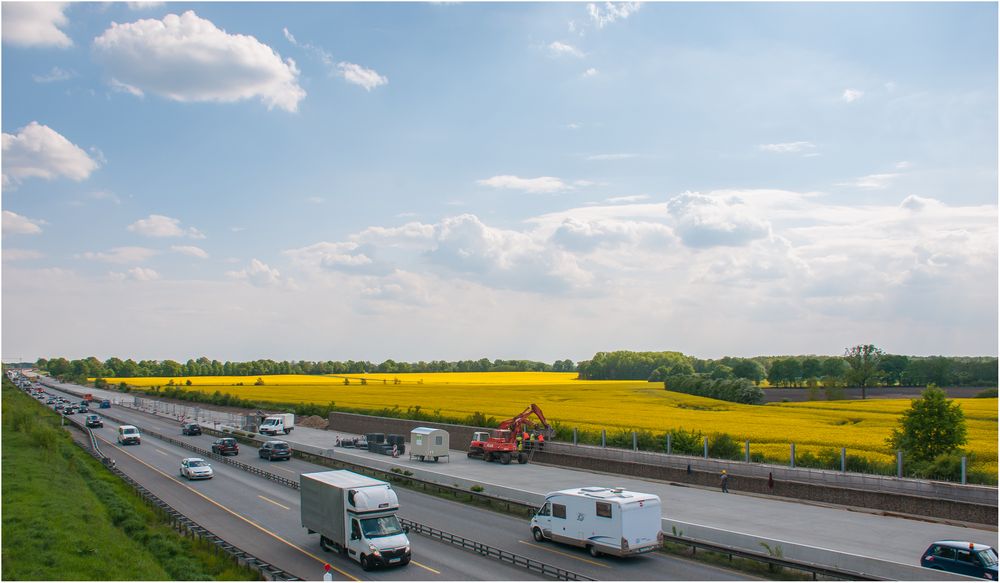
604 509
559 510
438 440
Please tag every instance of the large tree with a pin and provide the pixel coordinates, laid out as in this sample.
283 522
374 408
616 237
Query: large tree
932 426
864 360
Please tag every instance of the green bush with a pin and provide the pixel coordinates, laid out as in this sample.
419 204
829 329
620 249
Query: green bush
722 446
732 390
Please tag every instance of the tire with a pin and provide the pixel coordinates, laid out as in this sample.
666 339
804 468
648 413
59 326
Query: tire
323 543
420 457
488 456
522 458
435 461
537 533
366 563
505 458
593 551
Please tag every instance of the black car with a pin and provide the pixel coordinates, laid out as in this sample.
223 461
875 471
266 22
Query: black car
69 410
50 401
191 429
94 421
226 446
83 409
275 450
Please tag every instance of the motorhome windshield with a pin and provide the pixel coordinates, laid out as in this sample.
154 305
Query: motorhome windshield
382 526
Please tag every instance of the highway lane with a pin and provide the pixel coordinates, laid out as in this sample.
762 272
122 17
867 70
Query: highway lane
860 533
274 509
503 531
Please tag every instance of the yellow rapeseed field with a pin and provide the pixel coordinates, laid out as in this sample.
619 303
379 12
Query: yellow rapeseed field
860 426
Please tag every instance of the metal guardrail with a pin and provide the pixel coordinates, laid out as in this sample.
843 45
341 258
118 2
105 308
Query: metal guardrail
494 553
816 570
178 520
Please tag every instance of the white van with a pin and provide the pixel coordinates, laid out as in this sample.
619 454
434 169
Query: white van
128 434
602 520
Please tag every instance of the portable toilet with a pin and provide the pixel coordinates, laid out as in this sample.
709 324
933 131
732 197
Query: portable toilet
428 443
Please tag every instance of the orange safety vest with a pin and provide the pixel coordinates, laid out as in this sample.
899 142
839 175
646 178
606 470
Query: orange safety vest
541 438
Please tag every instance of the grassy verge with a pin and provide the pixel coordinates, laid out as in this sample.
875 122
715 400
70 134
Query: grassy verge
65 517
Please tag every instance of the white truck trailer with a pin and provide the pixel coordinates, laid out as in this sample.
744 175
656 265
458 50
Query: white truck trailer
609 521
277 423
354 515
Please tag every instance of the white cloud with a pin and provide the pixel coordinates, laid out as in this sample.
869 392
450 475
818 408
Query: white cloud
35 24
591 72
787 147
143 274
627 199
542 184
162 226
559 49
15 224
573 126
851 95
708 221
187 58
872 181
903 165
315 200
120 255
10 254
55 74
358 75
190 250
602 157
38 151
144 5
602 16
258 273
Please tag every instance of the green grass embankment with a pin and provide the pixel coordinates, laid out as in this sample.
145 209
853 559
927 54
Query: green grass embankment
65 517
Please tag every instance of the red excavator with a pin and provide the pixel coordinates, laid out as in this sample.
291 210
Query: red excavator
501 443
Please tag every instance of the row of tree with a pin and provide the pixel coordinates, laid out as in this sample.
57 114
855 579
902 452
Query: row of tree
863 366
115 367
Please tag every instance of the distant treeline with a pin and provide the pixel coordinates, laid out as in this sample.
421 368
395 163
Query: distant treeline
779 371
116 367
793 371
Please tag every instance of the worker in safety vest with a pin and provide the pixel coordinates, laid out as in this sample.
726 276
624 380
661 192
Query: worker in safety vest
520 443
541 440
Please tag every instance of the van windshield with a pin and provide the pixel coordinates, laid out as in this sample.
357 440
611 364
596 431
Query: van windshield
130 431
382 526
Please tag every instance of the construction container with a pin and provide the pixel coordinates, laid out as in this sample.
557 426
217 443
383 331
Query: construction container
427 443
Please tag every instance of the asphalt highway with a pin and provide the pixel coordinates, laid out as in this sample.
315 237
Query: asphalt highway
262 518
842 529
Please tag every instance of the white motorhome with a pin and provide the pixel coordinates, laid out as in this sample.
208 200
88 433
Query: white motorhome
354 515
277 423
609 521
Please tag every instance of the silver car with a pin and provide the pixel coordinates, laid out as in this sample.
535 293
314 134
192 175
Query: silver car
195 468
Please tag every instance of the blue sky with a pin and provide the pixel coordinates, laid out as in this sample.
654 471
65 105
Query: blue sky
458 180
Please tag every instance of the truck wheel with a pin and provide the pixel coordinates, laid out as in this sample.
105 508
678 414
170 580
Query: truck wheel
420 457
435 459
488 456
537 533
522 458
366 563
505 458
593 551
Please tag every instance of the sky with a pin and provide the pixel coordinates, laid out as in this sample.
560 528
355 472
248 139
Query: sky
421 181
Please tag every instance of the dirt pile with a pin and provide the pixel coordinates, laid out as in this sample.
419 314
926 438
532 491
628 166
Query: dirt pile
312 422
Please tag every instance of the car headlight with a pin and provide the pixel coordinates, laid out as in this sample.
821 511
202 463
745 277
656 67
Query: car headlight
407 549
374 550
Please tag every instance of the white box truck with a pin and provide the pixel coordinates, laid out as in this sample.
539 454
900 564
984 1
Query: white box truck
277 423
609 521
354 515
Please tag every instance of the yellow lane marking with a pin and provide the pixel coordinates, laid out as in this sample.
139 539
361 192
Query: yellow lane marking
241 517
273 502
524 542
435 571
